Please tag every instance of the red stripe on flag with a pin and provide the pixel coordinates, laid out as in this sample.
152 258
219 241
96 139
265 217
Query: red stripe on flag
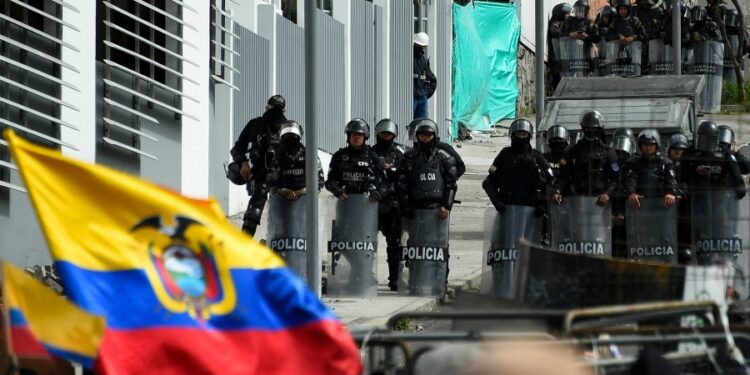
324 347
25 344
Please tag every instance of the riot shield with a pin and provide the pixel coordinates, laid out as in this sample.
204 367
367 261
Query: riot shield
729 73
709 61
623 60
502 231
556 47
574 60
581 227
601 63
353 248
720 233
425 254
660 57
652 231
287 231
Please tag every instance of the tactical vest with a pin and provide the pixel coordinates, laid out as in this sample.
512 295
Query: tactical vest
356 172
425 178
292 170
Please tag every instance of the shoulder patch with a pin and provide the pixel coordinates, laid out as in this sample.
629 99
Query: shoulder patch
493 169
563 162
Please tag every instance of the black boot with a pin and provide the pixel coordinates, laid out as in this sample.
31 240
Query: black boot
393 276
249 227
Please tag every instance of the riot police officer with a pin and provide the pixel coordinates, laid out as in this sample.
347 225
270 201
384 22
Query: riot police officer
554 31
355 169
519 173
389 215
579 26
589 168
666 29
704 29
726 144
649 174
460 166
558 139
651 15
286 175
623 146
627 28
428 174
707 168
259 133
678 144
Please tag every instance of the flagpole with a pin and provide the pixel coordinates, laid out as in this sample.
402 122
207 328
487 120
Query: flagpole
311 153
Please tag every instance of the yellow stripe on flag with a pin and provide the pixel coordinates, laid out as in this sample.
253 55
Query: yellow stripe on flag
50 317
87 212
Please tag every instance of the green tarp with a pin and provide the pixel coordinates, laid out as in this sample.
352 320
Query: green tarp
485 48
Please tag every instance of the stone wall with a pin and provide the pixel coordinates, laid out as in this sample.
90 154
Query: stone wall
526 78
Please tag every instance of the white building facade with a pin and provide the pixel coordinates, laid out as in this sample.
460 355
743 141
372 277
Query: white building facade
161 88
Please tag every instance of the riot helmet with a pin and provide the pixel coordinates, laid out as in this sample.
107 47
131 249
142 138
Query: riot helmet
521 125
699 14
649 137
624 4
678 141
591 123
684 10
276 102
358 126
424 125
646 3
232 172
726 135
623 145
291 128
731 18
626 132
609 12
707 136
581 9
386 125
560 11
558 138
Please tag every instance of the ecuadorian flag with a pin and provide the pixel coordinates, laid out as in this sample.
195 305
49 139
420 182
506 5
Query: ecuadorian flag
181 289
43 324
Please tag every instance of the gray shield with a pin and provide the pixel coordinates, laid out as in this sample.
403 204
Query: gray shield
581 227
721 233
601 66
652 231
729 73
574 60
660 57
502 232
709 61
287 232
623 60
353 248
425 254
556 46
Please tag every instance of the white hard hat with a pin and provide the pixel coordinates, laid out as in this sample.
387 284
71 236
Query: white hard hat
421 39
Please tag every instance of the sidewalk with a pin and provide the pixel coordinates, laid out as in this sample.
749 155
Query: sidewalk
466 243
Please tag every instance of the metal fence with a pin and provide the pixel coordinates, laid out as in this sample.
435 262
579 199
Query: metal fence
331 84
442 68
290 67
254 82
401 62
363 60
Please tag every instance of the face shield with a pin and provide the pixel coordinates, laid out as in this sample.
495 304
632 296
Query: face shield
579 11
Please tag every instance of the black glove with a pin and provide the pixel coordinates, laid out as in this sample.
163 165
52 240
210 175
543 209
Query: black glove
375 196
539 211
499 206
740 193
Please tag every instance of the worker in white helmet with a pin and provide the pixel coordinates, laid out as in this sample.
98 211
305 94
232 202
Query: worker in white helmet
425 81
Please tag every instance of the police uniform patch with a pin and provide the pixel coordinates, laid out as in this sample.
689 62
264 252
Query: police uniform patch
493 169
563 162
